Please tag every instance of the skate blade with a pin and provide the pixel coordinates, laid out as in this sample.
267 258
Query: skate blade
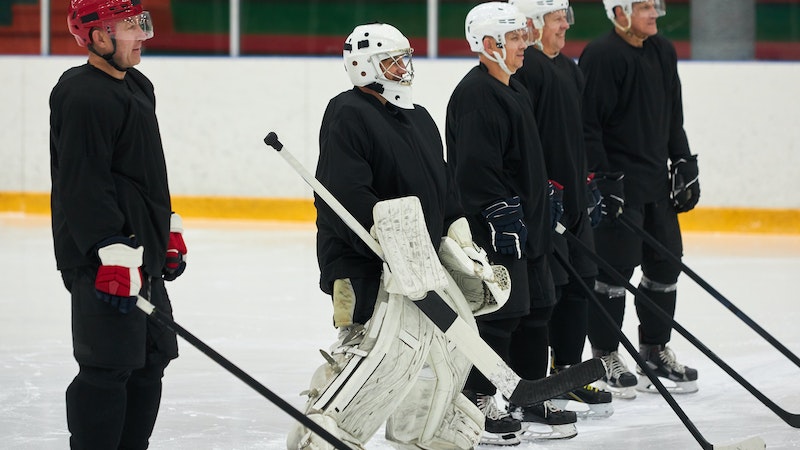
585 410
504 440
673 387
534 431
625 393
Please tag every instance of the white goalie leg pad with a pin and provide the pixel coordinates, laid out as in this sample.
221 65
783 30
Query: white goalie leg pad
486 287
301 438
413 266
360 385
435 415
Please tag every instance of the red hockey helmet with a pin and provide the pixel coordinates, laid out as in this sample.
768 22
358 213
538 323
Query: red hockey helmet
84 15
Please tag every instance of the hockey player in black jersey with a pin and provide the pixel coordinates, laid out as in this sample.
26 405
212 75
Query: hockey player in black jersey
555 84
494 150
633 122
114 232
390 364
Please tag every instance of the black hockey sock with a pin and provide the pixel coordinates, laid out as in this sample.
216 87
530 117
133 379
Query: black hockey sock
529 353
601 335
96 408
144 398
653 329
568 328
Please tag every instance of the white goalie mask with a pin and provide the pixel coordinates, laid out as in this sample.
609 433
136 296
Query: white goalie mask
627 9
378 56
537 9
494 19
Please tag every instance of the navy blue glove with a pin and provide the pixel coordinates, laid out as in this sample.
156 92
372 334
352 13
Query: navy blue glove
684 183
595 201
509 232
555 192
613 192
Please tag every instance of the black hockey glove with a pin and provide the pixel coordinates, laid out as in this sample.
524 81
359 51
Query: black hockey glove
509 232
594 199
613 192
555 192
684 183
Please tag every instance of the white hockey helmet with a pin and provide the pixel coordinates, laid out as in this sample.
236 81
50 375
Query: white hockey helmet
627 7
365 49
494 19
537 9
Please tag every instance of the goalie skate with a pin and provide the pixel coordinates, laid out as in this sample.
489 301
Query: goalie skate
500 428
677 378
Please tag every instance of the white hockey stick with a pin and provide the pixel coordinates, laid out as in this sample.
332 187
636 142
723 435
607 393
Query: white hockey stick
519 391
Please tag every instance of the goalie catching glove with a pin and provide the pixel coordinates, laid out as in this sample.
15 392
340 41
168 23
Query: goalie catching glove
486 287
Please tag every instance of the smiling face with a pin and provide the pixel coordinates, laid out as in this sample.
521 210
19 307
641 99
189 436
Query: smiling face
516 43
554 32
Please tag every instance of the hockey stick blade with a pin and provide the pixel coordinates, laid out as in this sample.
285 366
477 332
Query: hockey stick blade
469 342
529 392
663 251
164 320
753 443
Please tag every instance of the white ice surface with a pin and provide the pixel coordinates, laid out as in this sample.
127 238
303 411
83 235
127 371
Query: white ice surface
250 292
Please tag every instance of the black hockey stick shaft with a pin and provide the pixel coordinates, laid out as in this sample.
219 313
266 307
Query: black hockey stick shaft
666 253
632 350
522 392
167 322
790 418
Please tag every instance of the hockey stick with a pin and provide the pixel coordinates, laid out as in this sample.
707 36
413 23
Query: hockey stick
663 251
164 320
751 443
519 391
792 419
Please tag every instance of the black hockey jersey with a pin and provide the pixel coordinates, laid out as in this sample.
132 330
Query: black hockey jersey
371 152
555 86
494 151
633 112
107 165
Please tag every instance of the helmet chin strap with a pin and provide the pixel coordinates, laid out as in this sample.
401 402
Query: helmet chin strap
109 57
500 60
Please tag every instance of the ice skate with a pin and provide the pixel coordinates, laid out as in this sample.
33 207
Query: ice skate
545 421
677 378
594 403
500 428
618 380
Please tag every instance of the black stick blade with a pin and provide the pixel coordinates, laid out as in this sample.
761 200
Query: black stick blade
530 392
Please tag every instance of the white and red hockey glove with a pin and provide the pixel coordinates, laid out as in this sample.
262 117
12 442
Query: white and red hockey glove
176 249
119 277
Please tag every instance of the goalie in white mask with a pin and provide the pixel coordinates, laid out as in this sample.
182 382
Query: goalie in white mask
390 363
